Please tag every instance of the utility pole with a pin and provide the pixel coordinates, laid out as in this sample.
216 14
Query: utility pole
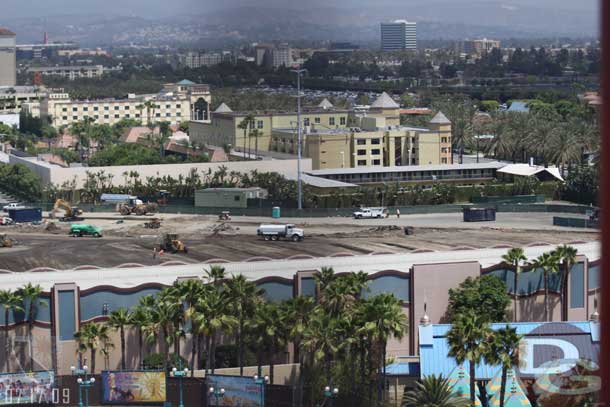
299 72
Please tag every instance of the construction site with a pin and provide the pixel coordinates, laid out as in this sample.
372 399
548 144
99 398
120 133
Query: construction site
159 238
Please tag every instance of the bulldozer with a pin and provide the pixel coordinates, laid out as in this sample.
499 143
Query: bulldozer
5 241
171 244
137 207
71 213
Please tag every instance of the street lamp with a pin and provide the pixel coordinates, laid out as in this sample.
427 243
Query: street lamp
299 72
261 381
331 393
217 393
83 383
180 374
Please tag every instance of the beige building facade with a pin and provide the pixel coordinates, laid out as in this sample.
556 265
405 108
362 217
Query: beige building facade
175 103
373 144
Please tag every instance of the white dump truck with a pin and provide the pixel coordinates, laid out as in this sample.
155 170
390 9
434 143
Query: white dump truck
275 232
368 213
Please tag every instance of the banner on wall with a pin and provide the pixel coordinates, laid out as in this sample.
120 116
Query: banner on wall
137 387
27 388
239 391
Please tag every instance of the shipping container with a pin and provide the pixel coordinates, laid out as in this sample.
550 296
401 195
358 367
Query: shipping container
479 214
25 215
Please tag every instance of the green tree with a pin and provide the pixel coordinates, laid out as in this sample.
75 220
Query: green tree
567 258
140 319
10 302
516 258
118 320
466 339
502 349
487 295
549 264
30 295
92 337
433 391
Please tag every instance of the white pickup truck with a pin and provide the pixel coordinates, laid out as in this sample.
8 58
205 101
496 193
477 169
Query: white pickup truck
275 232
13 205
369 213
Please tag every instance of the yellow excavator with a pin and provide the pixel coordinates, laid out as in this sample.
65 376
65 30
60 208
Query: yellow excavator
5 241
71 213
170 243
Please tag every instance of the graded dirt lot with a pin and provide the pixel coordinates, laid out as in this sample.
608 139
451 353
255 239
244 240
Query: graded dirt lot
126 240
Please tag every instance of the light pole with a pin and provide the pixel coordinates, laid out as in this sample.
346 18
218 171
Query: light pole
83 383
299 72
331 394
217 393
180 374
261 381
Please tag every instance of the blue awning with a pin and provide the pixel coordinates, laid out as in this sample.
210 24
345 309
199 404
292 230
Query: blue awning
403 369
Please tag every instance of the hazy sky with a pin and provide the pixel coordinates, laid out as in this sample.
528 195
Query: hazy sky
160 8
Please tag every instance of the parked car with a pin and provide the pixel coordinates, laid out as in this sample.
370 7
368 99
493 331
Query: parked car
80 230
5 220
13 205
369 213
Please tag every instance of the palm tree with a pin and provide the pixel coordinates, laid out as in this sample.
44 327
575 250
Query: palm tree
384 319
118 320
433 391
515 257
140 318
10 302
502 349
466 340
92 336
162 322
243 295
319 339
190 291
31 294
215 274
549 263
567 257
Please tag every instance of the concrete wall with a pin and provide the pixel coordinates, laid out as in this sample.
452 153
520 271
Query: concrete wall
58 175
8 61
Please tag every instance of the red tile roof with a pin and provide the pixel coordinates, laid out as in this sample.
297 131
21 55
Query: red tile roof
4 31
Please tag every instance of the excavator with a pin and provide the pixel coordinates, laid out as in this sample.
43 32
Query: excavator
5 241
171 244
137 207
71 213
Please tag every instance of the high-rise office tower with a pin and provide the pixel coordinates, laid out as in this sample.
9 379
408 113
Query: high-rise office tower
8 61
399 35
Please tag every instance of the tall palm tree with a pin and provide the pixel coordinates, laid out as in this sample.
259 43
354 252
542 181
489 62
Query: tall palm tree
433 391
515 257
215 274
31 297
140 319
118 320
319 339
384 319
92 337
243 295
549 264
567 258
172 296
502 349
466 340
189 292
10 302
162 322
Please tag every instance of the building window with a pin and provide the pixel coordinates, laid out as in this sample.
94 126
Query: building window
116 116
127 116
443 160
443 139
137 115
178 107
306 121
127 107
361 152
85 109
168 114
106 116
95 108
342 121
331 121
168 106
361 162
375 141
376 162
413 161
158 115
178 114
116 108
96 117
316 120
375 151
106 108
236 198
444 150
64 118
65 109
259 124
75 109
361 141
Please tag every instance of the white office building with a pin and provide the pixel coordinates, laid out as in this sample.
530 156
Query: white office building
399 35
8 61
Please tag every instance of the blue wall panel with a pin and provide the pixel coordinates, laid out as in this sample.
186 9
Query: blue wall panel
399 286
308 286
43 314
594 282
577 286
276 291
67 317
529 281
91 305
